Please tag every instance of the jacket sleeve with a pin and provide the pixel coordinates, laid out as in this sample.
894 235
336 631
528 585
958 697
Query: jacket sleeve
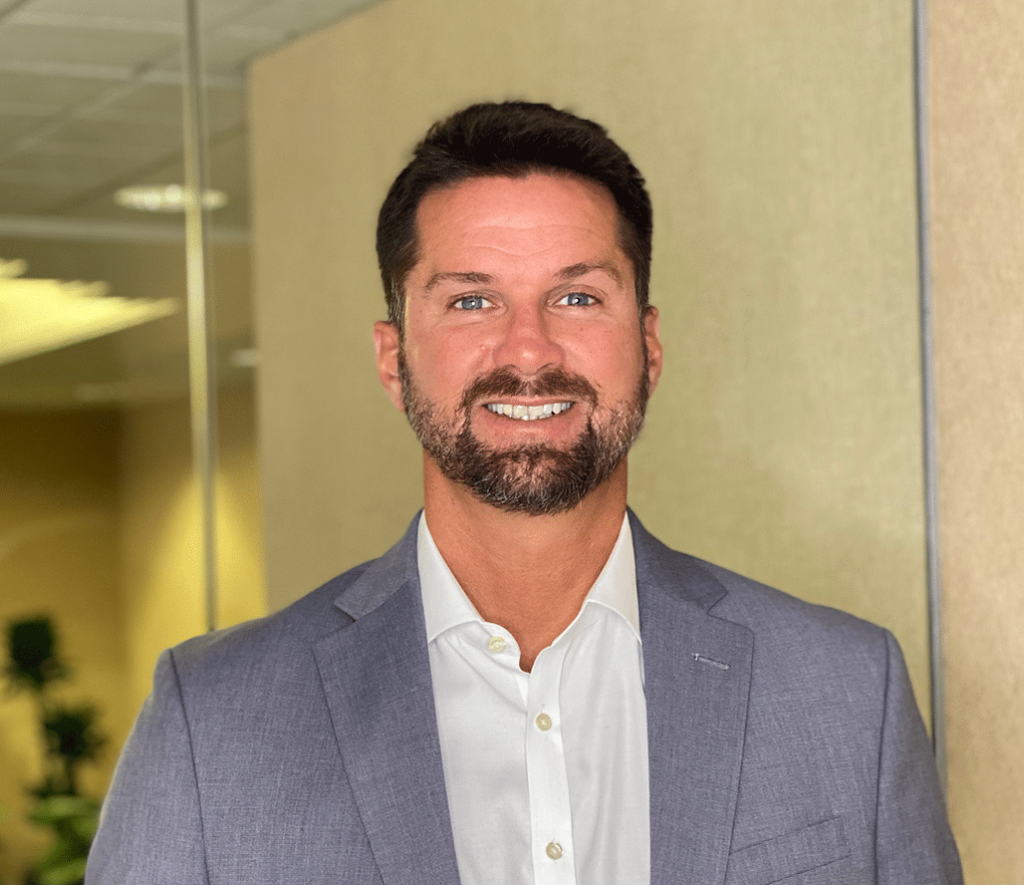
151 830
913 842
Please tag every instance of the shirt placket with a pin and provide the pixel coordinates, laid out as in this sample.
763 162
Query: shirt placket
550 811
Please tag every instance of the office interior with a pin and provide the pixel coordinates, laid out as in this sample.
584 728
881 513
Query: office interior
836 186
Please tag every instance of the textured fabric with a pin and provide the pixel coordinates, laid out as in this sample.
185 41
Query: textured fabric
784 744
576 778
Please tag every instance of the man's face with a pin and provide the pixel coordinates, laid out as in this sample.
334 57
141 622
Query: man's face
524 369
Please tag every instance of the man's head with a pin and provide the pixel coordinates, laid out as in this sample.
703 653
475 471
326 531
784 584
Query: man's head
510 139
521 360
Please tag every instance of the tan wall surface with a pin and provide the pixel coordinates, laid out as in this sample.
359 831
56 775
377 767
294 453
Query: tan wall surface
777 140
99 528
161 573
58 557
977 198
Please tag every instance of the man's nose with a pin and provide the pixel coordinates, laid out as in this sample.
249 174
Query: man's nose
527 343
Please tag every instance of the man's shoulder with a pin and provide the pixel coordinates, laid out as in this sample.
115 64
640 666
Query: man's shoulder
289 635
760 605
331 606
776 618
299 624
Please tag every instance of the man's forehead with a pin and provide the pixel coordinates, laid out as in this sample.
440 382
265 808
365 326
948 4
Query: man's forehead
565 274
487 187
537 211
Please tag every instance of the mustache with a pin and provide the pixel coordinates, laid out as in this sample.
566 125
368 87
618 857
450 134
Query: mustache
505 382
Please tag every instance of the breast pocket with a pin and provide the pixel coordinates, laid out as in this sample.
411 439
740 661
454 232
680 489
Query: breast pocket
813 853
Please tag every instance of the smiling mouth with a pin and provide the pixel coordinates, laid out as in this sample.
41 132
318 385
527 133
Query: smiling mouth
528 413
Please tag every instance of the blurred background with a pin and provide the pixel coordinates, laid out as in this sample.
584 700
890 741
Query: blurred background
142 502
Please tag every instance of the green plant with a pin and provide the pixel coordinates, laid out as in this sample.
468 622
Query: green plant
73 819
70 738
32 649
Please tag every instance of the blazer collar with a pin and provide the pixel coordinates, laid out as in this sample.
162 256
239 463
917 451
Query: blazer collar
376 677
697 670
382 577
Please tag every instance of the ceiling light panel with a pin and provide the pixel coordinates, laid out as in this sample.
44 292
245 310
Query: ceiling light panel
42 315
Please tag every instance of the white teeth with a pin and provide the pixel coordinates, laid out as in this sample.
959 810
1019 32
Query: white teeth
528 413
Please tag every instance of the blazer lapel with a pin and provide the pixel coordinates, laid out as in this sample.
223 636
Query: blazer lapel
697 683
376 676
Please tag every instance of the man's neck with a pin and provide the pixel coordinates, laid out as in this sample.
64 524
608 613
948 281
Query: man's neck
530 574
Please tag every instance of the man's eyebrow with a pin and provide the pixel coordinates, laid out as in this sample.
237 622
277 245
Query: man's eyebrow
573 271
473 277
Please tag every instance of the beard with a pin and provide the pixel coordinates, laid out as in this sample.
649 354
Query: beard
534 478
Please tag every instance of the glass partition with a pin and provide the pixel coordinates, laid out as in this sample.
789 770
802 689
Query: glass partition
129 492
784 441
97 521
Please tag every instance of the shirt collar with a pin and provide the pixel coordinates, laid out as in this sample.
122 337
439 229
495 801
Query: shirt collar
445 604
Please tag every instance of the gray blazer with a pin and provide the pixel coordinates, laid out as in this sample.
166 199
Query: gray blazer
784 742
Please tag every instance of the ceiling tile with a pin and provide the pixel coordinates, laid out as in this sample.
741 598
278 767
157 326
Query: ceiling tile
218 12
14 125
90 99
147 103
72 171
121 132
294 17
157 10
61 46
18 198
225 109
226 50
50 90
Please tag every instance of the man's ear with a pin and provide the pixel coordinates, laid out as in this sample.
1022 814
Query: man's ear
387 343
653 340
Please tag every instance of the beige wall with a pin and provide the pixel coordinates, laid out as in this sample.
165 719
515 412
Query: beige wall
99 527
163 601
777 140
977 197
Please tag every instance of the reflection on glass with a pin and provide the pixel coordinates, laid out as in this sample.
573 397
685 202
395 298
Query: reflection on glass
99 504
100 517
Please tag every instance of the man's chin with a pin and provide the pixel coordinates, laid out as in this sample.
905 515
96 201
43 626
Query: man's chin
531 478
536 481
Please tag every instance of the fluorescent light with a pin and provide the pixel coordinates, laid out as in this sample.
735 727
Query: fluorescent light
13 268
43 315
164 198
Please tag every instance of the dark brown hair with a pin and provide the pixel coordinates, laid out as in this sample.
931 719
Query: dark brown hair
512 139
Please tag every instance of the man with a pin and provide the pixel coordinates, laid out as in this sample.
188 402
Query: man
528 687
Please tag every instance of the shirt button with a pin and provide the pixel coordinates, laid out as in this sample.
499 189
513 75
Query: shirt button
554 850
543 723
496 644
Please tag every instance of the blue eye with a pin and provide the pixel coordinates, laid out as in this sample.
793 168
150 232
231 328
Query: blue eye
470 302
578 299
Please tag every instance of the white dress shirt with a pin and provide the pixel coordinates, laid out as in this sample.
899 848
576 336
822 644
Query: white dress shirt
546 772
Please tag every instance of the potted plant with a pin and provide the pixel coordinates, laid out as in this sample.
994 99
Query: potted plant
69 737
